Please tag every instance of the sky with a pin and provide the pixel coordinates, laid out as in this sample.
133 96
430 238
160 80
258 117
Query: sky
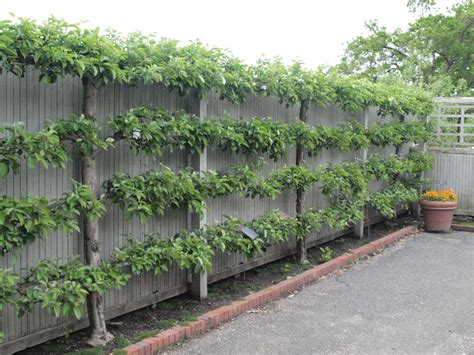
314 31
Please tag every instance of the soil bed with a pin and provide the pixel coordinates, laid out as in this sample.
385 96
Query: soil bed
146 322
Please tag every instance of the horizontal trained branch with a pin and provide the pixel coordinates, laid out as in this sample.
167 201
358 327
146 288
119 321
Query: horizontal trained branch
386 201
17 143
151 193
25 219
63 287
149 131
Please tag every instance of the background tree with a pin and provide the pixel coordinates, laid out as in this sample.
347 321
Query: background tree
435 52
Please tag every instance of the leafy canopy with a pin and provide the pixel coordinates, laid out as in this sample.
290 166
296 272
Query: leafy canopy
57 48
435 52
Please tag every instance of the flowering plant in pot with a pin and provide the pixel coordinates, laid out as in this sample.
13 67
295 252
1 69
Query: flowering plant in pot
438 209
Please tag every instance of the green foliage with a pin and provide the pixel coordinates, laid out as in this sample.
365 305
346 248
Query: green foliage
155 191
25 219
63 288
43 146
164 324
386 168
423 5
187 316
326 253
386 202
354 95
22 221
339 215
8 280
194 250
271 227
435 51
82 132
286 268
47 145
342 180
57 48
186 69
293 84
144 335
121 342
150 130
396 133
349 135
399 101
186 249
80 199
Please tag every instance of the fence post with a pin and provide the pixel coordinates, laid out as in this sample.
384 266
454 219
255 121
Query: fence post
198 162
415 206
359 226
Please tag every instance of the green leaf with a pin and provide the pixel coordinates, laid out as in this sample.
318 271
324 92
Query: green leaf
78 311
3 169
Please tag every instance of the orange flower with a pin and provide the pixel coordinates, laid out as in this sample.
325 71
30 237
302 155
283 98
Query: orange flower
442 195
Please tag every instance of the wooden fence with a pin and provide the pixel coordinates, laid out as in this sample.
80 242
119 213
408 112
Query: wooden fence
29 101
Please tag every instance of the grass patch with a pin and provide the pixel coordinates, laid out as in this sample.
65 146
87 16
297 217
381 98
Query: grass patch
187 316
119 352
214 294
144 335
121 342
164 324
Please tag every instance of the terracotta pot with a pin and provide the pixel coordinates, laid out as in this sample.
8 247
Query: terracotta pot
438 215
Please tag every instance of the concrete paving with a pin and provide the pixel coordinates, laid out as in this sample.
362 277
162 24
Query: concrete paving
415 297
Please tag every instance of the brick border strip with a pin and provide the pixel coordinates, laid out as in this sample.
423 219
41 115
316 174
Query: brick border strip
222 314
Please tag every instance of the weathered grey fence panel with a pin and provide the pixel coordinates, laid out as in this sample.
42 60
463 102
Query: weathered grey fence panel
26 100
225 265
454 168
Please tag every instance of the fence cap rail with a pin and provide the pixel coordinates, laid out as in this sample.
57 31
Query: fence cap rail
455 100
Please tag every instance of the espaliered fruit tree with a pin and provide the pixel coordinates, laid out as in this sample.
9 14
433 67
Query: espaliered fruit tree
57 49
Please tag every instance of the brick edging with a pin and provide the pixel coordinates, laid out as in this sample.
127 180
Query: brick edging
462 227
222 314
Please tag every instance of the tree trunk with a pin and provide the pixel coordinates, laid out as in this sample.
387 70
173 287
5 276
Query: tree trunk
300 193
95 304
396 177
